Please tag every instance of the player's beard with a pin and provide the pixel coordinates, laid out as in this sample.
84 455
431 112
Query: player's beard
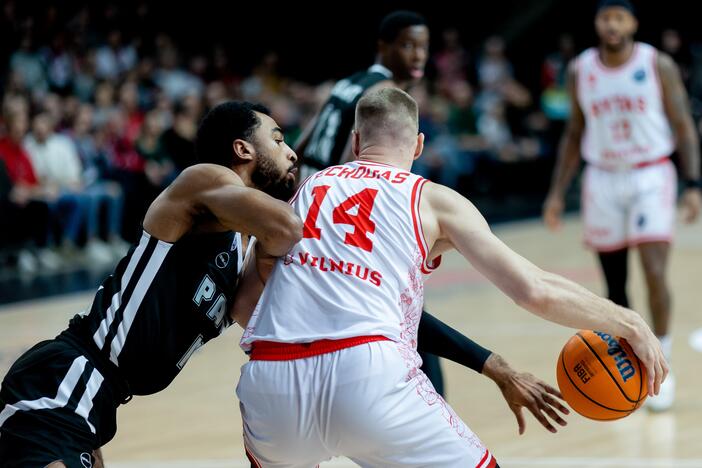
272 180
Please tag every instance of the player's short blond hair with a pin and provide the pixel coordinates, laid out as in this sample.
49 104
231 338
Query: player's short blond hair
389 115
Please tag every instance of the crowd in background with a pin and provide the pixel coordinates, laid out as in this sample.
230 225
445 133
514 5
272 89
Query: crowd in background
97 119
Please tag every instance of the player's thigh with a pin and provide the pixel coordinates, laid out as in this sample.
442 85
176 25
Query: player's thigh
604 216
278 402
396 418
652 212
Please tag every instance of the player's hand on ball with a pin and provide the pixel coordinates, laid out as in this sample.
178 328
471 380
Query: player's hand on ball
648 349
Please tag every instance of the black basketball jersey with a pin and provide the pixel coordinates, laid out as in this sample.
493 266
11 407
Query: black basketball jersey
335 122
162 303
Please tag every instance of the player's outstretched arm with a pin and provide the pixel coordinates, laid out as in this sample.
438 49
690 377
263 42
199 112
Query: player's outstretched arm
435 337
520 389
209 193
568 160
449 220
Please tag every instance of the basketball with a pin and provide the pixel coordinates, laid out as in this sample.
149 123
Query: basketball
600 376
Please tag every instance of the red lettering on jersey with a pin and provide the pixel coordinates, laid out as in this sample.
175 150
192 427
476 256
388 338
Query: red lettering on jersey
358 273
361 222
386 175
400 177
331 172
358 173
337 266
641 104
371 174
627 105
349 268
310 229
344 172
595 109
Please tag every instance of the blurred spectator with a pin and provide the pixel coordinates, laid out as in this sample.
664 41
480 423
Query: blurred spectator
58 168
159 167
672 44
554 100
452 60
179 140
113 59
174 81
129 102
21 197
104 103
493 66
101 192
264 80
27 64
59 65
126 167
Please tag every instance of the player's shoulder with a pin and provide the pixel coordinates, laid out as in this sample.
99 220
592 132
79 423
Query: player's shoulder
207 176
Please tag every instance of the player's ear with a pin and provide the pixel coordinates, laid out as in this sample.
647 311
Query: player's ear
355 143
420 145
636 25
243 150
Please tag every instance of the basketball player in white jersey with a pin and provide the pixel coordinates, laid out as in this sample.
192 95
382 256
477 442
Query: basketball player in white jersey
629 112
334 368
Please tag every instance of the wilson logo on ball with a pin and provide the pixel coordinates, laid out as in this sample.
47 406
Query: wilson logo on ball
624 365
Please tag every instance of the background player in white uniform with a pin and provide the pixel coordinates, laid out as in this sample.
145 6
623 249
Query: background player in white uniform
629 109
334 368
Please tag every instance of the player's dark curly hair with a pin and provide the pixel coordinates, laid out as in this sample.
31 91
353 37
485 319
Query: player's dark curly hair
229 121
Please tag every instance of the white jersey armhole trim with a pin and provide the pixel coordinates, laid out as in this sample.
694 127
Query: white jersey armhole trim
416 197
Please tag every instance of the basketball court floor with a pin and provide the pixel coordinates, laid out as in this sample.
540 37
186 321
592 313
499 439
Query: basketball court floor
195 423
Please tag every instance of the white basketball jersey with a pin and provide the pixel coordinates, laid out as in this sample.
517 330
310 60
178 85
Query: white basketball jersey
359 269
625 120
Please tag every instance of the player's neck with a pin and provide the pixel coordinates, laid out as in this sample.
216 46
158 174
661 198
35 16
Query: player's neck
244 172
614 59
383 155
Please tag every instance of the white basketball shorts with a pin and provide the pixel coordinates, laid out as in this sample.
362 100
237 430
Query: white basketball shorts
370 403
626 208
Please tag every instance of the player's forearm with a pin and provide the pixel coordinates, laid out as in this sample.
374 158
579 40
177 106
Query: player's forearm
688 146
562 301
435 337
567 164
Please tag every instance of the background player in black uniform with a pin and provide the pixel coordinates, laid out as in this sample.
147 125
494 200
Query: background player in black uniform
403 50
173 292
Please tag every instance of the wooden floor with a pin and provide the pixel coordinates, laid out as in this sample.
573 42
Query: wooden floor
196 423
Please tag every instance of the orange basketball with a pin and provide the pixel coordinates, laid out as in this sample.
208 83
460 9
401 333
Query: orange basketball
600 376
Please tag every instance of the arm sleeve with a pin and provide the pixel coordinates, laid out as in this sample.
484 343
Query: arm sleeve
437 338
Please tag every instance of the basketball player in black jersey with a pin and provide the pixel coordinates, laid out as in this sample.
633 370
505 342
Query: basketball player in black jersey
175 290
